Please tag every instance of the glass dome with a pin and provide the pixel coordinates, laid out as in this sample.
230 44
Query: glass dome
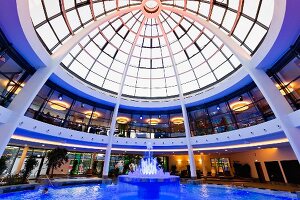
200 57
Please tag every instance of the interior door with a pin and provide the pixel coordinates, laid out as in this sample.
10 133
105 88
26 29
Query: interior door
260 172
274 171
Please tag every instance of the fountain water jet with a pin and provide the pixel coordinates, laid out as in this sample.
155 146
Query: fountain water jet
149 181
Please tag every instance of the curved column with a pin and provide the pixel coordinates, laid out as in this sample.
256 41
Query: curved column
116 109
21 103
279 106
183 107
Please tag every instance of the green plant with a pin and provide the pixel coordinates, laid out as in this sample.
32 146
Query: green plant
30 164
56 158
3 165
74 169
13 179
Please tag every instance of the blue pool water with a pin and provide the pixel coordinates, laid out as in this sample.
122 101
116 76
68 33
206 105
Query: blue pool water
187 192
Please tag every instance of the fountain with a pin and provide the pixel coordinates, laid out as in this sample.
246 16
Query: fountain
149 181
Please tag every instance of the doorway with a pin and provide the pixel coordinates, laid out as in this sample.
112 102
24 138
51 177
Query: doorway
291 169
274 171
260 172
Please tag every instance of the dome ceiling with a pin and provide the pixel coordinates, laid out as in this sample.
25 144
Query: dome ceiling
200 57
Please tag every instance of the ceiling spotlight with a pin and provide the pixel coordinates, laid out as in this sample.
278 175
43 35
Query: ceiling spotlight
60 97
218 108
141 117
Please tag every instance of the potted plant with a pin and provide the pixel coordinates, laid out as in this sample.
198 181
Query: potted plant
56 158
30 164
3 165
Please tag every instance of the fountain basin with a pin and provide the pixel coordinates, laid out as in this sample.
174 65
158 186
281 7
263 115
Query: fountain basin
149 187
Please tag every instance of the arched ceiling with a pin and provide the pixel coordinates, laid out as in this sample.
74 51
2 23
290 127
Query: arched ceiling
200 57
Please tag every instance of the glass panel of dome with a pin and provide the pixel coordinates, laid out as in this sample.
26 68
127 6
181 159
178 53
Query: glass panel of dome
202 70
250 7
52 7
128 90
172 91
266 12
73 19
204 9
206 80
224 69
67 60
47 35
85 13
117 66
85 59
234 4
193 5
255 36
78 68
180 57
114 76
186 77
93 49
158 92
190 86
95 79
229 19
98 8
242 28
141 92
217 14
36 11
217 60
171 81
158 83
130 81
157 73
99 69
110 85
183 67
196 60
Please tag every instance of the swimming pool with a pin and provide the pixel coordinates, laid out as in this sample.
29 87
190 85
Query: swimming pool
187 192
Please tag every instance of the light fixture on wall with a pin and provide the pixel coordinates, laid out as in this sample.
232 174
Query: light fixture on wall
94 114
289 88
177 120
58 105
240 106
60 97
122 120
141 117
10 85
153 121
200 160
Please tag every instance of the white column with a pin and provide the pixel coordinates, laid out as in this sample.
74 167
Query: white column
116 109
279 106
21 102
22 159
183 108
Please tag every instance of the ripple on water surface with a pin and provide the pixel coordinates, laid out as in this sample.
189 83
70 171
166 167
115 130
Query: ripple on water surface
187 192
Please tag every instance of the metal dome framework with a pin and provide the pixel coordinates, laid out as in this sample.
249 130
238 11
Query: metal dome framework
199 56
